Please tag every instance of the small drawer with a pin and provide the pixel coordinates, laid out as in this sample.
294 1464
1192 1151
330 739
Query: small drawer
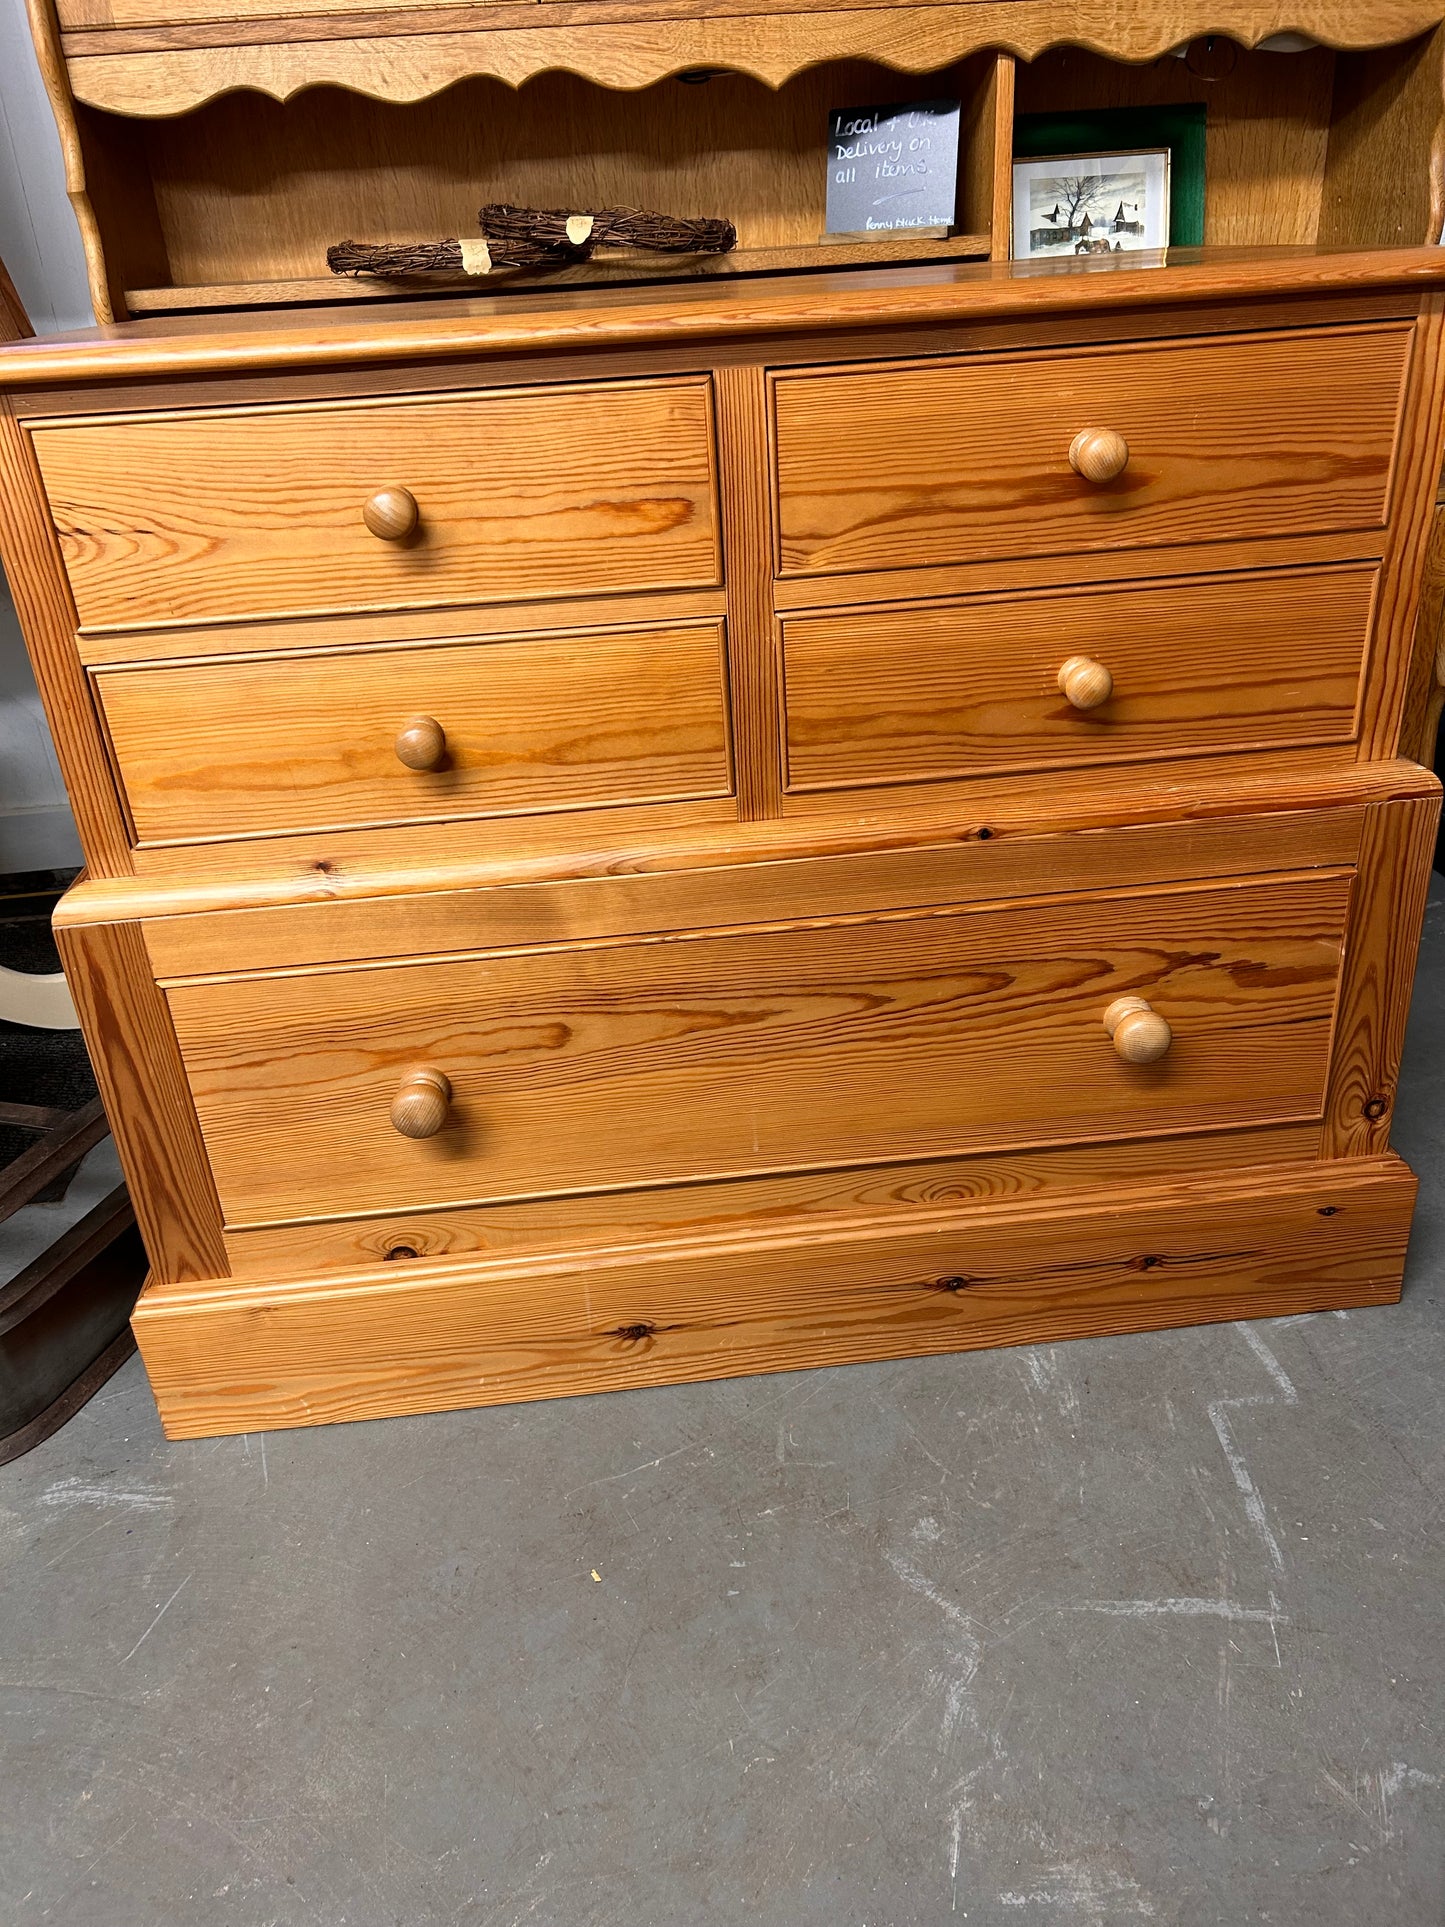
256 746
1072 677
904 465
512 495
444 1081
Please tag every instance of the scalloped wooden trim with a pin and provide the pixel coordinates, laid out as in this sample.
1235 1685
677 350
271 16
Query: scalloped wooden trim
771 48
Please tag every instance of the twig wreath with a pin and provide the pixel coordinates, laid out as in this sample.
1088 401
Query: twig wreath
530 237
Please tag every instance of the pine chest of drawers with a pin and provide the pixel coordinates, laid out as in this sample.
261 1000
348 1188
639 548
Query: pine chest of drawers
692 836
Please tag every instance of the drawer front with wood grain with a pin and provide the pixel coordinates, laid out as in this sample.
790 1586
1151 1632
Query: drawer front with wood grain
1072 677
259 746
433 1082
500 497
953 461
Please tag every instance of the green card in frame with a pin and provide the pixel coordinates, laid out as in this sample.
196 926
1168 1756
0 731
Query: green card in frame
1181 129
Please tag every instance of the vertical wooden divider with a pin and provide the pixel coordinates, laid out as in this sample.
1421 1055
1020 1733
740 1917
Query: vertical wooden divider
745 485
1001 222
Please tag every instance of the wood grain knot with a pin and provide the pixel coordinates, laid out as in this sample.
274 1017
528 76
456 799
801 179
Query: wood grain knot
985 835
1149 1262
402 1251
1329 1211
634 1334
1376 1108
950 1284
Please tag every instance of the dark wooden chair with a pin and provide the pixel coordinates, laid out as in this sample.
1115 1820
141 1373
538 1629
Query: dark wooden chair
65 1316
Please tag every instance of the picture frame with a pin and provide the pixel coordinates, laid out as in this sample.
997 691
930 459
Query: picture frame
1182 127
1067 206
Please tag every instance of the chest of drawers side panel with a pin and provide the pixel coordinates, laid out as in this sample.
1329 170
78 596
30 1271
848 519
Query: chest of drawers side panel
1397 640
1386 913
147 1098
47 617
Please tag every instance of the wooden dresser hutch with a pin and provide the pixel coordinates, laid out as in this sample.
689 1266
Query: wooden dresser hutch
665 820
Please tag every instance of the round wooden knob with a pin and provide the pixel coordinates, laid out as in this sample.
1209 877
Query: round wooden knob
1140 1034
419 1108
1099 454
391 514
1085 682
422 743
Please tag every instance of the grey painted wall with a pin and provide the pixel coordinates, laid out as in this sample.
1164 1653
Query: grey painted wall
40 244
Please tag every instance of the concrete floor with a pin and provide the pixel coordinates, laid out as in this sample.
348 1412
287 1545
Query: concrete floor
1137 1629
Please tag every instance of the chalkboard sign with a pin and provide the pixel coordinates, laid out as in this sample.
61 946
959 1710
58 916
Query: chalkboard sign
892 167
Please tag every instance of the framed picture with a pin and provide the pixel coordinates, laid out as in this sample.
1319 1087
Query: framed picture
1083 204
1182 128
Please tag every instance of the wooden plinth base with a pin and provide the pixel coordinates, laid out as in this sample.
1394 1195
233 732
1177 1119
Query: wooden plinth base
224 1357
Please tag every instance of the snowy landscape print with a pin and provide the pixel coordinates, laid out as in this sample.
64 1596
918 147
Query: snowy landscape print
1092 205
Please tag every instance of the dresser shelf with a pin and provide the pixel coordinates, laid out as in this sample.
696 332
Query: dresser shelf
629 268
842 802
212 163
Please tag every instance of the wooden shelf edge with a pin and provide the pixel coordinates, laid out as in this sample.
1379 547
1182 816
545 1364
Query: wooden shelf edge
563 319
627 270
628 48
81 37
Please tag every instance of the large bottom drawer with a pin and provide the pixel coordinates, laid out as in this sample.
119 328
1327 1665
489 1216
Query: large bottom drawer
642 1063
